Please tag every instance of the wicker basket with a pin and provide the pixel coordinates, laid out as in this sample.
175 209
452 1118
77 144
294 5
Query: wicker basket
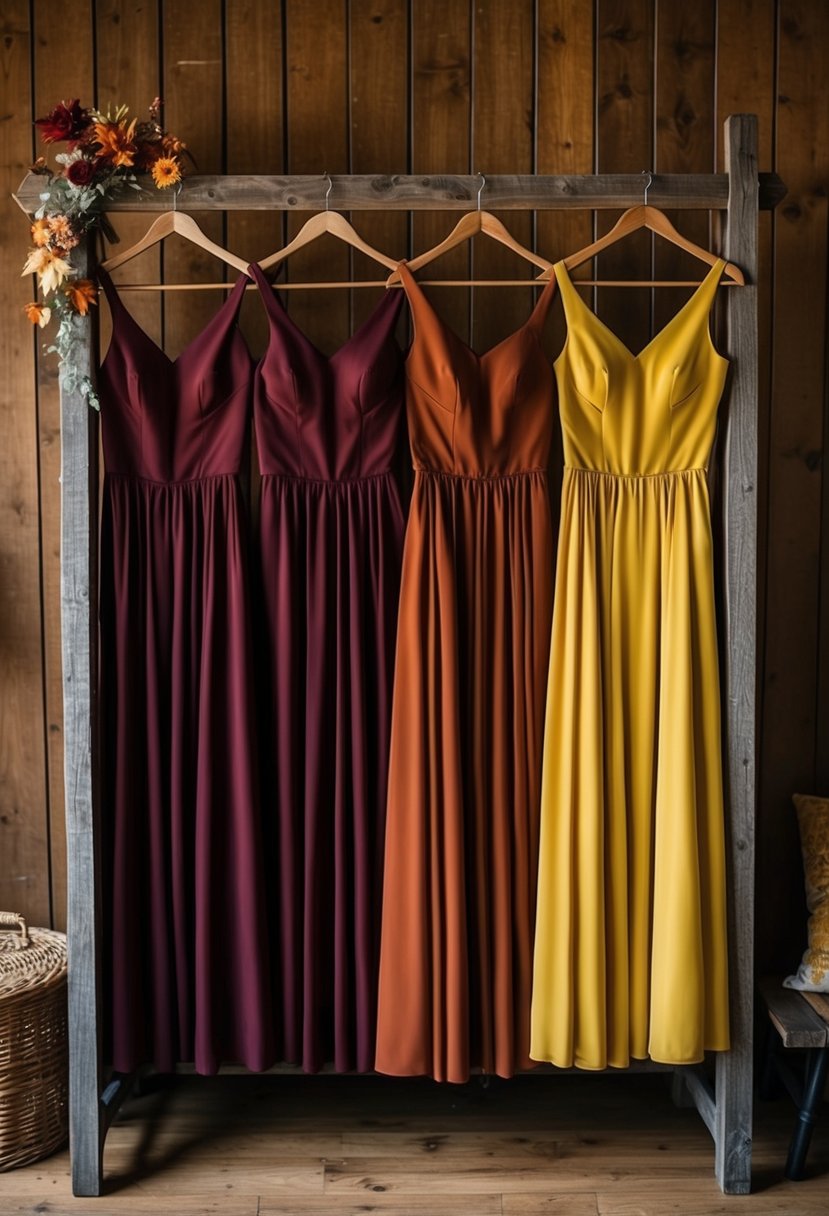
33 1042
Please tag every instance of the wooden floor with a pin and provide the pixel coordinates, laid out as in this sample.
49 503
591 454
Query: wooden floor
313 1146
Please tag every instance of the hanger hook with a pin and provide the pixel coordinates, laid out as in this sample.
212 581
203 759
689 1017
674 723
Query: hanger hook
327 175
648 184
480 188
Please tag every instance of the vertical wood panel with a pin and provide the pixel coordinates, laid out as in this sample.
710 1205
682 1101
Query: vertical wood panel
745 81
441 88
24 829
503 142
128 72
565 122
194 109
317 118
795 464
685 139
254 133
378 84
63 68
624 122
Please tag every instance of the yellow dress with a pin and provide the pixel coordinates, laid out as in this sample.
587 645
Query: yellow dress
630 947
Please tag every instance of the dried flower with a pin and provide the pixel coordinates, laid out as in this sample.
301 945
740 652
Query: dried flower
80 172
166 172
67 121
117 142
81 293
37 313
41 232
50 268
62 232
39 166
172 145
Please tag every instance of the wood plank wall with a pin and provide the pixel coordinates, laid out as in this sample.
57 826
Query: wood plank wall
423 86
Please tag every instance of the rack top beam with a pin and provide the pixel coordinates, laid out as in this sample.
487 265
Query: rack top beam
378 192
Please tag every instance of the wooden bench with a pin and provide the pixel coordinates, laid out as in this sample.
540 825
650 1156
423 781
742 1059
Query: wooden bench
800 1019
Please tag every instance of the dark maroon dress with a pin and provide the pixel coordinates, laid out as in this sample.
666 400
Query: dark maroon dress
331 538
187 944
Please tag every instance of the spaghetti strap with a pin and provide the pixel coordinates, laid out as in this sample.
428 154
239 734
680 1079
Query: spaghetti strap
542 305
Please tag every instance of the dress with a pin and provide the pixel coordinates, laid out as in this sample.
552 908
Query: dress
330 546
467 718
630 950
187 976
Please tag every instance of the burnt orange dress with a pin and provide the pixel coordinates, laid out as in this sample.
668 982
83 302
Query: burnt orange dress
468 711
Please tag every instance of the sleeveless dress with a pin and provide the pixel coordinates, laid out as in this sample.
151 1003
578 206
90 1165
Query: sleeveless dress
467 719
330 546
630 949
187 976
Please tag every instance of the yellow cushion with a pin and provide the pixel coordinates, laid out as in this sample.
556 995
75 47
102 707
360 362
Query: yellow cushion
813 818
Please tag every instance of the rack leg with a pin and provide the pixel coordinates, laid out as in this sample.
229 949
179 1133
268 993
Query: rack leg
817 1065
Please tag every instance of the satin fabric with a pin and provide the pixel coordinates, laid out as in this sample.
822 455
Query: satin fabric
630 948
467 719
330 544
186 974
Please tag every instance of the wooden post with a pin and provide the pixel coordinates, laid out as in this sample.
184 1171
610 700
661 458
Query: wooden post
732 1137
79 640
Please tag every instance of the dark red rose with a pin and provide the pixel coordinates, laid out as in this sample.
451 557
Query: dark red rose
67 121
80 172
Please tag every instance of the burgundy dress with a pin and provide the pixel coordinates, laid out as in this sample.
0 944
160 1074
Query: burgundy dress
187 945
331 538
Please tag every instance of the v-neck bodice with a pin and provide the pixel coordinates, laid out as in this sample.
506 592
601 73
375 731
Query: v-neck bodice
638 415
328 418
471 415
175 420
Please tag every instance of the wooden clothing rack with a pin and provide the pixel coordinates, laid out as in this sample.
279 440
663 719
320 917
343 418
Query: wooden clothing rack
725 1105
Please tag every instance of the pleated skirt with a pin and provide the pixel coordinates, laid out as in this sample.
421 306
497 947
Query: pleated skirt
330 555
464 781
186 947
630 951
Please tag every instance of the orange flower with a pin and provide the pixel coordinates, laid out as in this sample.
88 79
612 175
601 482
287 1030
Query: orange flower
166 172
49 266
41 232
116 141
38 314
80 294
62 233
172 145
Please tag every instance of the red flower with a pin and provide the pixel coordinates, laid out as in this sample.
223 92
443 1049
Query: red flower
80 172
67 121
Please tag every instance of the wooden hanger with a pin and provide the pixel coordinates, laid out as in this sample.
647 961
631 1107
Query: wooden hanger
468 226
337 225
645 216
183 224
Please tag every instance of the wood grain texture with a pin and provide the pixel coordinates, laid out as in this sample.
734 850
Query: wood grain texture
79 629
441 135
794 1019
795 481
745 69
624 122
379 124
63 67
24 826
194 101
685 136
129 71
564 124
503 141
318 138
734 1068
253 54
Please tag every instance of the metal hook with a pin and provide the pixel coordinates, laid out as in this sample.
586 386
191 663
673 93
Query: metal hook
648 184
327 175
480 188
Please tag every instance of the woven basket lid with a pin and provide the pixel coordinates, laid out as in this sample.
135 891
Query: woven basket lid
29 958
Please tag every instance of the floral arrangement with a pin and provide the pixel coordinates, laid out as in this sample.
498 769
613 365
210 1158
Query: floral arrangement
105 153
